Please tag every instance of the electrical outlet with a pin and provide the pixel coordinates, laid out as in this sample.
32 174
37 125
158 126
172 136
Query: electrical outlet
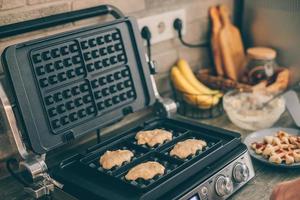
161 25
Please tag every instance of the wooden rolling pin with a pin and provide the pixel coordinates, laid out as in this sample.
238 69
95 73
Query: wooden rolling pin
215 40
232 49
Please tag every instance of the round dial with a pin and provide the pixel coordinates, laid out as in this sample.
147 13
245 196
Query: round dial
223 185
240 172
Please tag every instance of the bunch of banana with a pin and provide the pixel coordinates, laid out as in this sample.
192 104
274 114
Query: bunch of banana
194 92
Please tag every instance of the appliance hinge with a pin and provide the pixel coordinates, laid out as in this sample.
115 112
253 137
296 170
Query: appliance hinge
39 181
164 107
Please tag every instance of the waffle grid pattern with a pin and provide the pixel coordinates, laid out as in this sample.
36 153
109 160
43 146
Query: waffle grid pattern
82 78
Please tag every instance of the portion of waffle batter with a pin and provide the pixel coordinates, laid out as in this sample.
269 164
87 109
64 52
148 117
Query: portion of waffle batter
153 137
187 147
145 171
111 159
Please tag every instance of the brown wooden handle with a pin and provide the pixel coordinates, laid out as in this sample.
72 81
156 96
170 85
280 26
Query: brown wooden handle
215 40
215 18
224 14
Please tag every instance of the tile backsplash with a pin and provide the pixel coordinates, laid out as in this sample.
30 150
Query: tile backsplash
165 53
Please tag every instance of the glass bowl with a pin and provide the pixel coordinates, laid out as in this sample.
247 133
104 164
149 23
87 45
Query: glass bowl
243 109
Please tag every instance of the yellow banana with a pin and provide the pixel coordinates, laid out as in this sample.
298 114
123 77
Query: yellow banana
191 94
182 85
199 105
219 95
210 101
186 71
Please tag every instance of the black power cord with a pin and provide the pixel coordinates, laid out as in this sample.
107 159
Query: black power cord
146 34
177 25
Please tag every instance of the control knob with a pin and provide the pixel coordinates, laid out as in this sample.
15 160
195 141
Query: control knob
240 172
223 185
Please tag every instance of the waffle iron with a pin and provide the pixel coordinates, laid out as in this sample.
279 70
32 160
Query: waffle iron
70 84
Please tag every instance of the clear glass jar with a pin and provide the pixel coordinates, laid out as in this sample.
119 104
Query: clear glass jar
260 65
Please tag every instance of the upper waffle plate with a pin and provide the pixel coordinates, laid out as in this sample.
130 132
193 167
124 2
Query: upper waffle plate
69 84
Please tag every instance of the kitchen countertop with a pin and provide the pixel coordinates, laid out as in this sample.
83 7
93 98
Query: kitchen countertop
260 187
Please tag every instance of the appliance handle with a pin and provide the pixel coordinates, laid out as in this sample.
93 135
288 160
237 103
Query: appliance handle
58 19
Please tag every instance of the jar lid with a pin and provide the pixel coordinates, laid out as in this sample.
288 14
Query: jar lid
262 53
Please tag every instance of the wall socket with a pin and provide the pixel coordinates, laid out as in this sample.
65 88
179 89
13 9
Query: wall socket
161 25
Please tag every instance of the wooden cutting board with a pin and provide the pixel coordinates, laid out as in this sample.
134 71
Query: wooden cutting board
232 48
215 40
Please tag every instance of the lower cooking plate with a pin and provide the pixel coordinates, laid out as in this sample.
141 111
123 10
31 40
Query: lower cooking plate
144 153
219 142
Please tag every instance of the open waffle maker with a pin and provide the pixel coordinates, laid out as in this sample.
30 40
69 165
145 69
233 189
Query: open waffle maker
70 84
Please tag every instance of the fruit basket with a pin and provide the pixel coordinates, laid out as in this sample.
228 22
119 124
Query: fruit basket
197 112
195 99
